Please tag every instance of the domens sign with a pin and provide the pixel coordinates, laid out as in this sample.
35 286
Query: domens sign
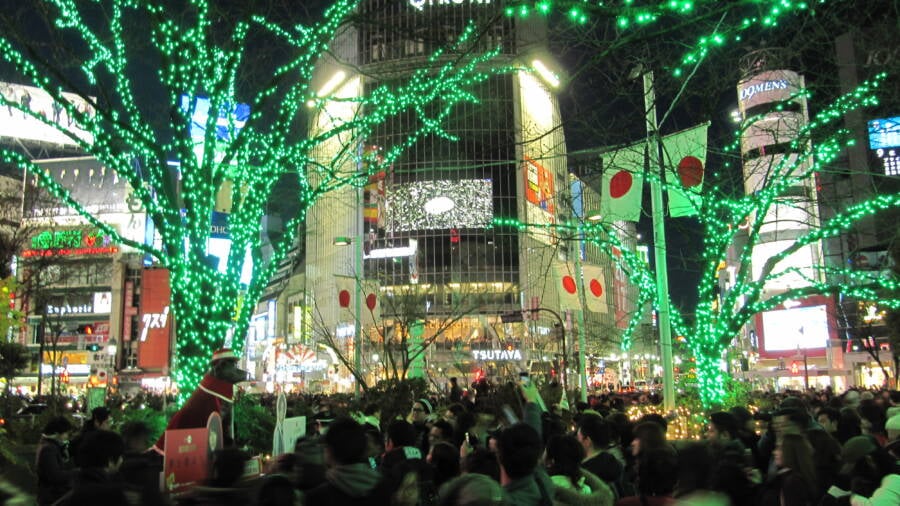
753 89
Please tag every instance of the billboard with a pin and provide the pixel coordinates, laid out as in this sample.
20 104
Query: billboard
17 124
440 204
155 320
769 86
96 188
884 142
809 327
540 198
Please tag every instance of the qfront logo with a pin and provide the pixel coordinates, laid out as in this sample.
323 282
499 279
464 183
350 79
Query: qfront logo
753 89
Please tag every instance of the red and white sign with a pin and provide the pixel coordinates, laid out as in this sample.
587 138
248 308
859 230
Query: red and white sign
370 308
185 459
155 322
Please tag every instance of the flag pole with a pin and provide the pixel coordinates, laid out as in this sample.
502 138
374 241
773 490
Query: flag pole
659 242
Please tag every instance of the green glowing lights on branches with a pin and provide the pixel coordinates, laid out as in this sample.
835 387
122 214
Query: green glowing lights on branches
202 59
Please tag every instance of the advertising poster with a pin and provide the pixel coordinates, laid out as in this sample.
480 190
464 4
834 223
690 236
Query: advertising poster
186 459
16 123
154 336
540 195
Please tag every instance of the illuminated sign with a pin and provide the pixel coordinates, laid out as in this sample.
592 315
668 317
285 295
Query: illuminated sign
421 4
753 89
155 339
497 354
69 309
17 124
70 243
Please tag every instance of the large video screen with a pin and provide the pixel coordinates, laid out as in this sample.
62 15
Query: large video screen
884 133
98 189
800 327
19 125
442 204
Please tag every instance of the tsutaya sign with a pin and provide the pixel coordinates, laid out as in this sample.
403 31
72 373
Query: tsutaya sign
421 4
497 354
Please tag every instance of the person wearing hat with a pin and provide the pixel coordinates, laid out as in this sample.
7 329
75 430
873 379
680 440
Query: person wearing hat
867 476
418 417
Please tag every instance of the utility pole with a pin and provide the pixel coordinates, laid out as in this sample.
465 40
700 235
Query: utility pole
659 241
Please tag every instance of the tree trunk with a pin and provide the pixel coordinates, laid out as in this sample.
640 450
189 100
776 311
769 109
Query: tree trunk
710 379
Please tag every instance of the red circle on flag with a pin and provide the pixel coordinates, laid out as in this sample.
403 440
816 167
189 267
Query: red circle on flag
568 284
690 170
371 301
620 184
596 288
344 298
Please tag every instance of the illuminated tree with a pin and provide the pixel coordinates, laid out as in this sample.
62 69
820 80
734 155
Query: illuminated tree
145 71
728 222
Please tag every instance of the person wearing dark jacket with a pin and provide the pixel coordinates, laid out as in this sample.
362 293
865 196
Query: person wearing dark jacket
102 452
349 480
54 472
519 447
593 434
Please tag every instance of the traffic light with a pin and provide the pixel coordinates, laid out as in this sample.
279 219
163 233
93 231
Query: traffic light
92 347
86 329
795 367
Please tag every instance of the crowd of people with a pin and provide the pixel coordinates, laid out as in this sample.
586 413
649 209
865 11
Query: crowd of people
809 449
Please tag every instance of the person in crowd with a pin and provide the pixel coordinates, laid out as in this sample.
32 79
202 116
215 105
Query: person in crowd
223 487
519 448
140 469
746 431
418 417
440 431
471 490
657 470
444 460
872 420
481 461
649 435
406 475
828 418
102 453
455 391
722 432
562 458
865 467
277 490
99 420
892 428
349 479
849 424
602 457
52 465
309 467
795 482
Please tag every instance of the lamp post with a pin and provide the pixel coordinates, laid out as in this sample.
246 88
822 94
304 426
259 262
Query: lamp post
659 239
357 304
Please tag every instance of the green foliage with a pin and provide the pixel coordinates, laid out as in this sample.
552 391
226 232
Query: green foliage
14 358
254 424
154 419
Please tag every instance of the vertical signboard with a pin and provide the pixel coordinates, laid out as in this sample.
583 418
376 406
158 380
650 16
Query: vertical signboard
155 322
186 458
540 195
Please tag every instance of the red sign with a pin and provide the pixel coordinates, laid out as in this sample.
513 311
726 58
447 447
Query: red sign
186 458
155 323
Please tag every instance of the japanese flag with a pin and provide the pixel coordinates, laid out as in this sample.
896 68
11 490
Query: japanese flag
623 179
595 289
567 287
684 157
370 306
347 290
